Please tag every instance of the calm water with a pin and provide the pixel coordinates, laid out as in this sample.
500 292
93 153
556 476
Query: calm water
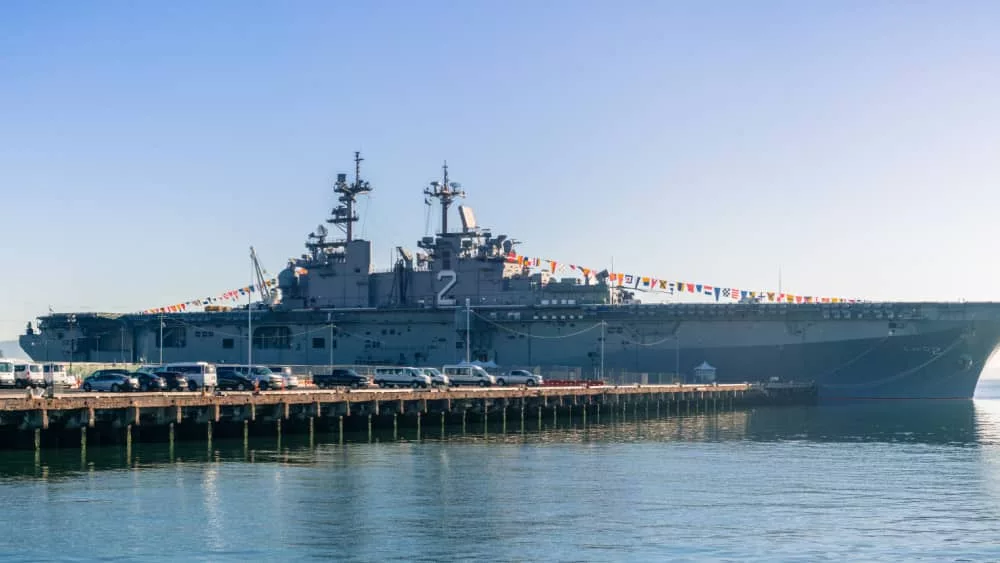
869 481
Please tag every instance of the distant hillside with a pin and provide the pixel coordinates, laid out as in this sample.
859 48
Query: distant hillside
10 349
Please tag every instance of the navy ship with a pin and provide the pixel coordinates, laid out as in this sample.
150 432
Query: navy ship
460 298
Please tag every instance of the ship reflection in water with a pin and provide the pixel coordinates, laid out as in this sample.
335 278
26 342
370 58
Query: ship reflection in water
844 481
958 423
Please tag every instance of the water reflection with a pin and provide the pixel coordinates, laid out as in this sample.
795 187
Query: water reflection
950 423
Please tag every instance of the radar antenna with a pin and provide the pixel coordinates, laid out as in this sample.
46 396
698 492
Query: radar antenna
445 192
344 215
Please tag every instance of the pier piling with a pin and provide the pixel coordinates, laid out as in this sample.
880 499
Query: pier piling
106 416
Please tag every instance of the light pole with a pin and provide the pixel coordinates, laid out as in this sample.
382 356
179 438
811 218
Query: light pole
250 314
161 339
329 319
72 340
677 355
602 350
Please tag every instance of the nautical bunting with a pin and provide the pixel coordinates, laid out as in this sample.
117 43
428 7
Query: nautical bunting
619 279
231 297
649 283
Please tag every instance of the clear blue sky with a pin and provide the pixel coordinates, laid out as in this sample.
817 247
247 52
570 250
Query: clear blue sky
144 146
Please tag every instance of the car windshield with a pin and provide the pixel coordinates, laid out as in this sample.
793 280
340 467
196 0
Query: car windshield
261 371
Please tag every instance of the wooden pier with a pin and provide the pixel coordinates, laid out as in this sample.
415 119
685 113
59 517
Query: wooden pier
73 419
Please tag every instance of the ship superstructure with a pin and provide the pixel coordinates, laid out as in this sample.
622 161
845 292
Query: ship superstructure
460 294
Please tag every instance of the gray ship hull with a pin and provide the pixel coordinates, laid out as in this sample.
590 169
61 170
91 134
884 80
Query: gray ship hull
884 351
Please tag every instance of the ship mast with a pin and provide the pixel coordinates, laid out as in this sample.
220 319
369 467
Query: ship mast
344 215
445 192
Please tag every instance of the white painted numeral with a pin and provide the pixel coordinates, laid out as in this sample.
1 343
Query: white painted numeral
452 278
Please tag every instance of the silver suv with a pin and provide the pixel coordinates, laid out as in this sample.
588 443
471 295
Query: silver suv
519 377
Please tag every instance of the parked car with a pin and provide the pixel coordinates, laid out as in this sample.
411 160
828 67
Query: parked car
174 381
198 374
401 377
57 375
260 375
110 380
230 378
519 377
28 374
340 378
291 380
467 374
149 381
7 373
438 379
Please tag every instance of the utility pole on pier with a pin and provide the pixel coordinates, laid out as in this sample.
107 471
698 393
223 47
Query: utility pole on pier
253 270
161 339
602 351
468 311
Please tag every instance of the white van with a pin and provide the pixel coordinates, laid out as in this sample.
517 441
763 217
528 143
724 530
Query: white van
7 373
57 375
468 375
401 377
438 379
198 374
28 374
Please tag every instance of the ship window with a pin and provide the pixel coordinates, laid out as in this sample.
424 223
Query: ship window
173 337
227 342
319 343
272 337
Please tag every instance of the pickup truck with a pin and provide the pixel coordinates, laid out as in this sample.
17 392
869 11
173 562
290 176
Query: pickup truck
340 378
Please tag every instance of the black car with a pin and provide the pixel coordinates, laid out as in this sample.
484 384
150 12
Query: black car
340 378
174 381
149 381
228 378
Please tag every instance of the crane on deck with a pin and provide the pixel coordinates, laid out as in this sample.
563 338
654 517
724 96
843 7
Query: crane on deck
266 297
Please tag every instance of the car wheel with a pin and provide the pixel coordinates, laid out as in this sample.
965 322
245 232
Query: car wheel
530 383
415 385
355 385
87 388
115 388
143 387
241 387
482 384
501 382
192 386
263 386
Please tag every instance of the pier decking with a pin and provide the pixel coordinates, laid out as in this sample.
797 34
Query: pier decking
74 418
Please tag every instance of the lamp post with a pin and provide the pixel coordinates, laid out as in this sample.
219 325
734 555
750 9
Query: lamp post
602 351
161 339
468 311
677 355
329 319
72 340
